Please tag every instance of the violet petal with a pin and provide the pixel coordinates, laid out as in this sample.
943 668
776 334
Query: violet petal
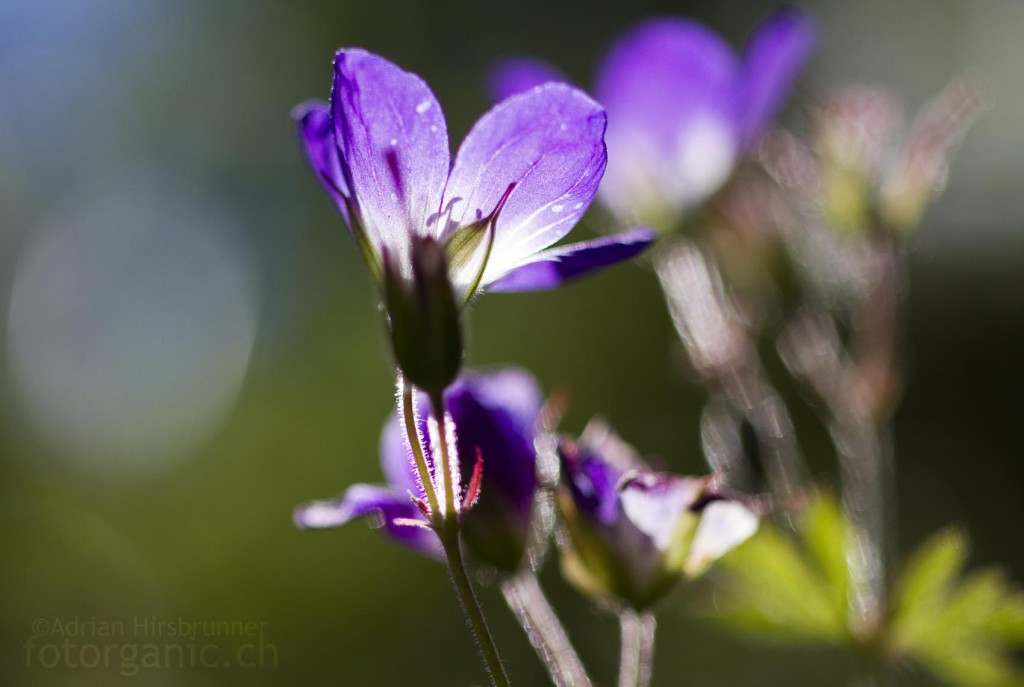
496 413
549 143
554 267
393 141
669 88
313 122
367 500
773 59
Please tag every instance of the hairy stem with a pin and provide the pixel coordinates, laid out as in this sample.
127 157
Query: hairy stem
446 524
409 417
637 659
471 607
525 597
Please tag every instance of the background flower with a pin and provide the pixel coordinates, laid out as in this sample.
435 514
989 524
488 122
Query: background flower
632 532
682 108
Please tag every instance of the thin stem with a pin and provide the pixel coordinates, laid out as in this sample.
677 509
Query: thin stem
722 348
863 467
471 608
815 356
859 384
528 603
637 659
861 431
446 524
451 509
747 388
409 415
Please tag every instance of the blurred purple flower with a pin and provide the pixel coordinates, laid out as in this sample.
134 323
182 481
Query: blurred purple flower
634 532
495 416
518 75
521 180
682 108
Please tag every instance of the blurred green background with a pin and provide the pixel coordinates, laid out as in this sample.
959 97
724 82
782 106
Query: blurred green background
192 346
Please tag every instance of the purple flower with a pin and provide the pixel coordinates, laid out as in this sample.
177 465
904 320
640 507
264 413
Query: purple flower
682 108
632 532
521 180
495 417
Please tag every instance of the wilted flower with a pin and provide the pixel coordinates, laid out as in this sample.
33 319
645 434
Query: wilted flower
495 419
521 180
682 108
860 167
632 532
920 172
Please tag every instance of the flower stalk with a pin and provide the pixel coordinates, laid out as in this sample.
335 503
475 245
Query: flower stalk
528 603
857 385
445 522
724 353
409 419
636 663
471 607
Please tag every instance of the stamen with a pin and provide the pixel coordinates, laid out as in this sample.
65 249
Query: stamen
421 505
411 522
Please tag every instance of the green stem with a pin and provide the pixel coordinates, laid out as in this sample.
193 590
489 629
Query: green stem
446 525
409 414
471 607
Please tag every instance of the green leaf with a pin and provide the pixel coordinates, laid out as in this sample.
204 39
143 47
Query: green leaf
962 629
971 666
923 588
825 533
974 602
1007 621
773 590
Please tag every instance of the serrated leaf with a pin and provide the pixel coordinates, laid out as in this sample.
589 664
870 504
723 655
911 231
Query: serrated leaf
971 666
959 628
773 590
922 590
825 532
1007 621
973 603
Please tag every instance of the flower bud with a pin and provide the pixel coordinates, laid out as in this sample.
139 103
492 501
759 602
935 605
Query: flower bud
495 417
919 172
632 532
854 132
